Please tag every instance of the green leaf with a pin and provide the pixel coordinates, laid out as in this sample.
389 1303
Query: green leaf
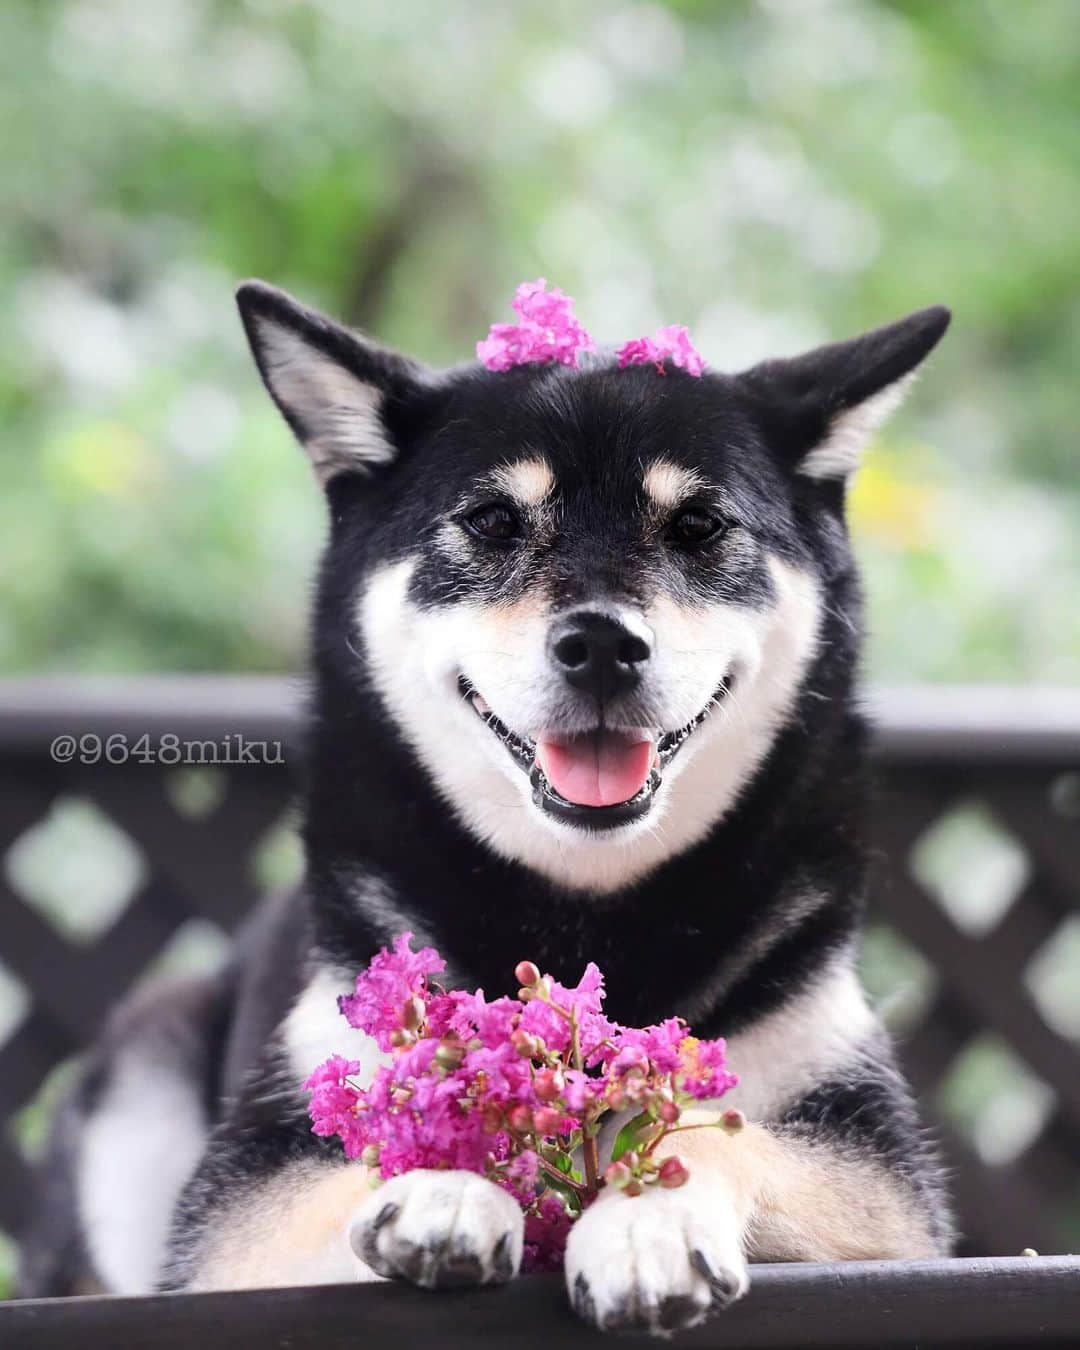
627 1138
564 1188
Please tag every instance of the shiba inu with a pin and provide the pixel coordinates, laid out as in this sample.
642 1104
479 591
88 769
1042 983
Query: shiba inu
584 663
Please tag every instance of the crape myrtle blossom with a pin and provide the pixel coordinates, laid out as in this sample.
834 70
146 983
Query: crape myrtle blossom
671 343
513 1088
390 981
549 332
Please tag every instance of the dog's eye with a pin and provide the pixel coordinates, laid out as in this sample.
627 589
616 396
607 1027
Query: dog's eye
494 521
693 527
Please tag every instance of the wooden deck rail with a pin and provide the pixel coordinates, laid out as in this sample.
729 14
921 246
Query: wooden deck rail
1015 753
1009 1304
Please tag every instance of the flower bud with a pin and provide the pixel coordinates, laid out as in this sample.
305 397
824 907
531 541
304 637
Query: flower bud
732 1120
449 1054
400 1038
617 1174
519 1119
370 1156
527 1045
548 1084
616 1098
633 1188
525 994
546 1120
668 1112
526 973
492 1119
412 1014
673 1173
636 1090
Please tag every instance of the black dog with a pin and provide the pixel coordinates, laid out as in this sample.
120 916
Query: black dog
584 655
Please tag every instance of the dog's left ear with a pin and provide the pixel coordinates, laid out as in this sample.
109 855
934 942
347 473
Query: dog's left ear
820 409
340 392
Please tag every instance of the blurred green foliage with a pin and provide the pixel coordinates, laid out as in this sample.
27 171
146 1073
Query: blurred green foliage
772 173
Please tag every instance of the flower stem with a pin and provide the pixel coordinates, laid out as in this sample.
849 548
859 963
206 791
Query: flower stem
590 1157
589 1151
681 1129
561 1177
651 1145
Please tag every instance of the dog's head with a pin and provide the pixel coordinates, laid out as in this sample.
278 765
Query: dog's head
587 597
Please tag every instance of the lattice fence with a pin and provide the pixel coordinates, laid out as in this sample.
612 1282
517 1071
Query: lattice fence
108 871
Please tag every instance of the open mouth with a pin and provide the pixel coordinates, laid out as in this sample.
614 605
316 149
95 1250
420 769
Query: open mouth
597 779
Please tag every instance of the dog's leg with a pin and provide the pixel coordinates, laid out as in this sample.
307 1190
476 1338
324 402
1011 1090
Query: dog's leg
440 1229
320 1223
288 1227
808 1188
658 1261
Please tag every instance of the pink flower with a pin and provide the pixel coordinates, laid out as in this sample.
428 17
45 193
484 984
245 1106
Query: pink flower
660 1044
581 1090
391 981
671 343
702 1069
336 1069
586 999
512 1089
546 1231
334 1101
519 1177
548 331
422 1118
470 1015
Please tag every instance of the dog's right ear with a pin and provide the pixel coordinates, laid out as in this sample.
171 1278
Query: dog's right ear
338 390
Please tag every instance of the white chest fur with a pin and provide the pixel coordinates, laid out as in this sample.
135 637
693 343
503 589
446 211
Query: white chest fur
815 1037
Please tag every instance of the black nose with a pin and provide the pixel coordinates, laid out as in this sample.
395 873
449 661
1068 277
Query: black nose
598 655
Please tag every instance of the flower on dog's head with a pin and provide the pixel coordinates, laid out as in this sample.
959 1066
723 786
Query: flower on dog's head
671 343
548 331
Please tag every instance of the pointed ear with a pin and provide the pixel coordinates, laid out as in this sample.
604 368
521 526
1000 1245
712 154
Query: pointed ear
821 409
335 388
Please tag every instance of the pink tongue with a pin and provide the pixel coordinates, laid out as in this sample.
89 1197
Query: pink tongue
600 769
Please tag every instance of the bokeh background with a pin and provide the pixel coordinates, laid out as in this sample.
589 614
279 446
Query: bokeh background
773 173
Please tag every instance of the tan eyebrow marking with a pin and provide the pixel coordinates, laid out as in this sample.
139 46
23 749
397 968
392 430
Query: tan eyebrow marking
528 481
668 483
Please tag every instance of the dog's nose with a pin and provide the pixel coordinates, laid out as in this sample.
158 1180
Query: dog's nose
599 655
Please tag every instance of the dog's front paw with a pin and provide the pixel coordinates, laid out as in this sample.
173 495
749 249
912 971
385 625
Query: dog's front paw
440 1229
656 1262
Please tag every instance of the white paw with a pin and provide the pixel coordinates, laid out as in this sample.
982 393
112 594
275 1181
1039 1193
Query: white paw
439 1229
654 1262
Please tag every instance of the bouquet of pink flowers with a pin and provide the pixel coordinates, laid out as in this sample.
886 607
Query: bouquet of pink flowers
515 1089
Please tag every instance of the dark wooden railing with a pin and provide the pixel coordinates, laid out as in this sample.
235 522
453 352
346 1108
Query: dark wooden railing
887 1305
977 823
